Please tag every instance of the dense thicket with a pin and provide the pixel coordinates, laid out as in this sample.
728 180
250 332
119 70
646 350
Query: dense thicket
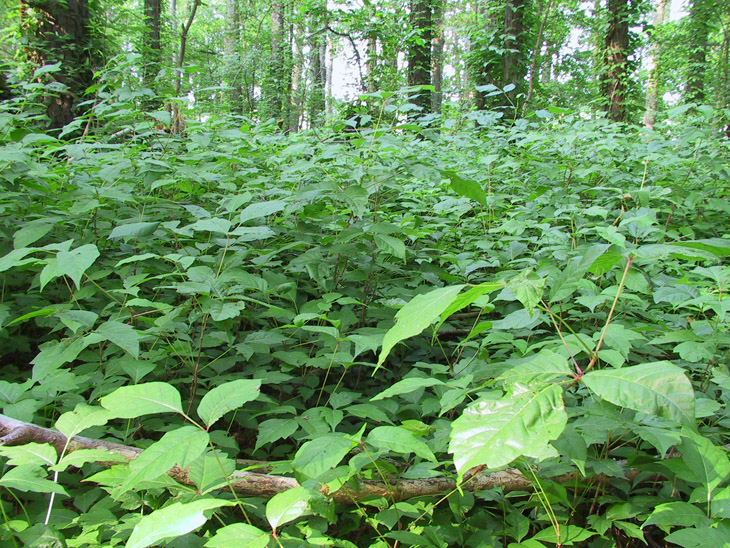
477 306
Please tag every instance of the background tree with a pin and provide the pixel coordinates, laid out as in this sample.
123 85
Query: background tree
419 51
62 33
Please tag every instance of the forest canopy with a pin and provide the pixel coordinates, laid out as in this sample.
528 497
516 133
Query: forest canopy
364 274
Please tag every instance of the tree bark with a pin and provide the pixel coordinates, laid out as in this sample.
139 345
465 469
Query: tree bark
437 56
615 60
652 88
14 432
699 31
178 122
419 51
60 32
231 47
536 53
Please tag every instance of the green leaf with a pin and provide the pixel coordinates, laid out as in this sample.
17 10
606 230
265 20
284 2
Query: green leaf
677 513
537 370
399 440
261 209
227 397
134 230
288 506
210 472
657 388
405 386
321 454
528 288
129 402
75 262
30 478
392 246
701 537
417 315
214 224
466 188
172 521
84 416
239 535
177 447
81 456
495 432
123 335
272 430
569 535
707 463
42 454
31 233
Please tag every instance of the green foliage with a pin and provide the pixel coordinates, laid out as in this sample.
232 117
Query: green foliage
548 295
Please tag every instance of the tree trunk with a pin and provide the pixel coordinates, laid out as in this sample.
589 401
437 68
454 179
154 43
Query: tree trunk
543 15
231 47
513 67
615 60
278 81
14 432
152 48
317 63
60 32
699 31
437 55
178 122
652 88
419 51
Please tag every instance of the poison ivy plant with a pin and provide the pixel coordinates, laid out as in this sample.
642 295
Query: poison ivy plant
380 315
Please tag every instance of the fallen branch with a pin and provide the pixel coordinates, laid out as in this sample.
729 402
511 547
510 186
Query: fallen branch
15 432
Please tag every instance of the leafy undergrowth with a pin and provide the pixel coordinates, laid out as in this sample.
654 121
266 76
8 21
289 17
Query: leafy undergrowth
389 305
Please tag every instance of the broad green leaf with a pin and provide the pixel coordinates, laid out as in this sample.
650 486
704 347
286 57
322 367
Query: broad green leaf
392 246
656 388
30 478
77 319
134 230
227 397
30 315
567 282
129 402
43 454
31 233
569 535
172 521
81 456
708 464
123 335
399 440
417 315
16 258
54 354
75 262
537 370
210 472
677 513
469 296
84 416
701 537
225 310
261 209
272 430
528 288
137 259
177 447
405 386
466 188
321 454
495 432
288 506
239 535
216 224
